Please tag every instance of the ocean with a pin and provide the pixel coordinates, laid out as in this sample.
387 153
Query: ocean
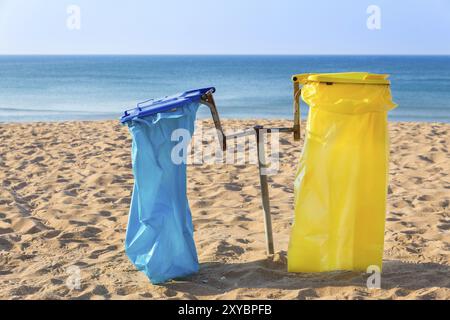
55 88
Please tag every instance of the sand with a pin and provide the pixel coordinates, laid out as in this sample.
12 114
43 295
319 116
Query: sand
64 199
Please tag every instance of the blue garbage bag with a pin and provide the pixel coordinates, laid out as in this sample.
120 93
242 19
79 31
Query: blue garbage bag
159 239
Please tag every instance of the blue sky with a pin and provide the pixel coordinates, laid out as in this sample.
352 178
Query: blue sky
225 27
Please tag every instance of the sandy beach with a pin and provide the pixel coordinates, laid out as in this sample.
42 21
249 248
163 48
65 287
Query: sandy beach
64 199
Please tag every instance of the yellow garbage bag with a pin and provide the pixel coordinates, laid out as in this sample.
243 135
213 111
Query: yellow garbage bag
341 181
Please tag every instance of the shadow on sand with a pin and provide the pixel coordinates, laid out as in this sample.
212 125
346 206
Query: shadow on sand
220 278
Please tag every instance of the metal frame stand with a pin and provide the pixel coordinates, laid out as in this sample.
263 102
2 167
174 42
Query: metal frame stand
208 100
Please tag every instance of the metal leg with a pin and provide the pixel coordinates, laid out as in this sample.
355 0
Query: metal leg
264 190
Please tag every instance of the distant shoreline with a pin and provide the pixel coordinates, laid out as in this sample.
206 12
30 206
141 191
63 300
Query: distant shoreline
218 55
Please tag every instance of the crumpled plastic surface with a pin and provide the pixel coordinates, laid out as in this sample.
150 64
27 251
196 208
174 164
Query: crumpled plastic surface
342 178
159 239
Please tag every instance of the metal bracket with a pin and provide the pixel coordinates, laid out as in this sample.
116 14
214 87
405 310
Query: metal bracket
208 100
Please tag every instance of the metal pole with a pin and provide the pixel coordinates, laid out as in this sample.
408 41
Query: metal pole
297 92
264 190
208 100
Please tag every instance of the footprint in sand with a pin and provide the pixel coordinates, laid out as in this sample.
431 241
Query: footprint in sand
425 158
51 234
232 187
90 232
101 290
225 249
20 186
6 230
444 226
243 241
96 253
5 245
105 213
425 197
78 223
306 294
24 290
125 291
29 226
37 159
56 282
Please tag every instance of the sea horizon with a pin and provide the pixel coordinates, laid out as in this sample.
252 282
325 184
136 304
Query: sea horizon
227 54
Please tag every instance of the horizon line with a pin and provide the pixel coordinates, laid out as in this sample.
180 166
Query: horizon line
224 54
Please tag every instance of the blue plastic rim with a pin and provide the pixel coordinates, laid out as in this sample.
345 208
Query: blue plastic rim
165 104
